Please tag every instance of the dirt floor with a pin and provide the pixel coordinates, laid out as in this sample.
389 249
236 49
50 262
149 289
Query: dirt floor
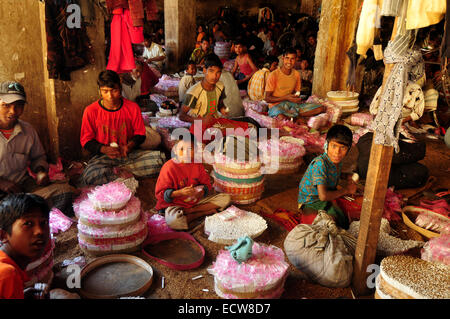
280 192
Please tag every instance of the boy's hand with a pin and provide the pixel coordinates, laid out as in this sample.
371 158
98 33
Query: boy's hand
351 188
125 150
188 191
111 152
294 99
9 187
42 178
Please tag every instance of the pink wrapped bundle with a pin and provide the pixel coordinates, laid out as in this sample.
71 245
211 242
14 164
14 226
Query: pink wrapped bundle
231 213
158 98
334 110
261 276
432 221
81 198
58 221
392 205
55 172
157 225
166 138
437 249
258 106
172 122
263 120
89 215
285 151
318 121
126 243
113 231
243 93
114 240
228 65
361 119
111 196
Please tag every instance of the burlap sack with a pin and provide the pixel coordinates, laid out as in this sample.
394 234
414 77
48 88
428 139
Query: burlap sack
152 139
322 251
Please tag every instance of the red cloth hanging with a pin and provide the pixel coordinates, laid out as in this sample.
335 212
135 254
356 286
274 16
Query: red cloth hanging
149 79
123 33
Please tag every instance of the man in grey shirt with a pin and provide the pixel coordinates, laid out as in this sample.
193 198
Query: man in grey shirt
20 147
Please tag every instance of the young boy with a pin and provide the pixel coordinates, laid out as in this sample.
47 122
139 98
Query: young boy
153 53
317 188
281 89
24 232
187 80
115 120
183 186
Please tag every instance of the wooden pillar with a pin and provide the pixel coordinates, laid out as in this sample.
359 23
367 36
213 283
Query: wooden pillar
373 205
337 27
180 31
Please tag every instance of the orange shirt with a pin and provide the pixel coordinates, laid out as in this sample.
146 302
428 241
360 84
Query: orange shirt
281 84
12 278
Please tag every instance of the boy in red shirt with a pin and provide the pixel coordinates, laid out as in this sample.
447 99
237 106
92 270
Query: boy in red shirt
24 233
182 188
112 130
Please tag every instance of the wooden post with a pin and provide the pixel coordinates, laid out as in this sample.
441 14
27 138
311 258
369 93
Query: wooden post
180 31
373 205
338 22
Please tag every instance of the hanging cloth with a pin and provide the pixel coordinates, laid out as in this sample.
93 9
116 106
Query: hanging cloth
387 121
123 33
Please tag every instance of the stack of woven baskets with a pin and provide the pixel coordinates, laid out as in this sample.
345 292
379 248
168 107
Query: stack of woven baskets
348 101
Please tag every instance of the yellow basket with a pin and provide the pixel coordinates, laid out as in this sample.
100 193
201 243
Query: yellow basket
427 233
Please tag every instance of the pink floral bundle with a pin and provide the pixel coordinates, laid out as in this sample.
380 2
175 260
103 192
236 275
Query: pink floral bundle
437 249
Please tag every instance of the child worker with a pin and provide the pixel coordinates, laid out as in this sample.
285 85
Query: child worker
317 189
187 80
24 235
183 187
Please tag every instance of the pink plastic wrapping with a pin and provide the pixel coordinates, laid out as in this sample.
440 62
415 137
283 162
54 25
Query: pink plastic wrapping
167 85
437 249
318 121
129 213
258 106
392 205
361 119
433 222
158 98
263 120
172 122
114 195
286 150
59 221
157 225
231 213
263 271
334 110
55 172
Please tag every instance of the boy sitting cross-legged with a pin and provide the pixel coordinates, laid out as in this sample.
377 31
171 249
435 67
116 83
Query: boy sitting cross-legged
317 188
183 186
24 232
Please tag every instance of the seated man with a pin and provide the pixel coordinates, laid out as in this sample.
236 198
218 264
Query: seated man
153 53
137 84
112 130
183 188
199 54
405 172
317 188
204 101
20 147
257 83
283 91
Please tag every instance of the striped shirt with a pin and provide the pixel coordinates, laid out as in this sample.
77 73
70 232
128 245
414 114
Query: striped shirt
257 85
